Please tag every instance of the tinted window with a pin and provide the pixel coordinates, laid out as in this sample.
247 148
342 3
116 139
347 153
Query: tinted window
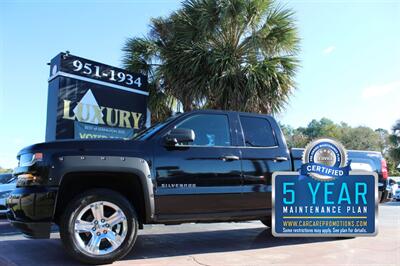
209 130
257 132
149 132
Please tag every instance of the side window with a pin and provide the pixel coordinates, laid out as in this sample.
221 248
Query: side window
209 129
257 132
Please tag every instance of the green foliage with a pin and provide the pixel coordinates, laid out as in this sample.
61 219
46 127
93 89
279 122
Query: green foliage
324 127
358 138
361 138
393 149
139 56
392 166
294 137
353 138
220 54
394 141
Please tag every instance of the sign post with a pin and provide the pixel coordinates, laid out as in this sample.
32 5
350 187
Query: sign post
91 100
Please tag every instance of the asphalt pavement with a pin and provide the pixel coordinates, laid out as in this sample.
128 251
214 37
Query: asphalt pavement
245 243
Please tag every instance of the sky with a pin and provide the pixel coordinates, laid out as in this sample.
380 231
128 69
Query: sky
350 58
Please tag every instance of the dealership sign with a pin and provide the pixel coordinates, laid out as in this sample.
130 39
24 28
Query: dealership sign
325 198
88 99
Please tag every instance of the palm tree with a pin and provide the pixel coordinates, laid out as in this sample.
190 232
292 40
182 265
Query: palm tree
395 142
221 54
396 128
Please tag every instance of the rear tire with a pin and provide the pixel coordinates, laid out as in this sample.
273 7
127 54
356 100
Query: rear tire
267 221
99 226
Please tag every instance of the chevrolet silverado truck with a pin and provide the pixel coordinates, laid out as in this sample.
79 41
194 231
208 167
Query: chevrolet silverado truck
202 166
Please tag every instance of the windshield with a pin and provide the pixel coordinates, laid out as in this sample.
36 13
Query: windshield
148 132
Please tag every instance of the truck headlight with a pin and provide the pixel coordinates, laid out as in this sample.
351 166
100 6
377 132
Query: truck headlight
29 159
27 180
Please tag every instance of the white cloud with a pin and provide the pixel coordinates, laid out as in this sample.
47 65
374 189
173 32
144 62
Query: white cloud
380 90
329 49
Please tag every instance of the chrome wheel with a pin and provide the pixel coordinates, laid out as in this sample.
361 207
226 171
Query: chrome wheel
100 228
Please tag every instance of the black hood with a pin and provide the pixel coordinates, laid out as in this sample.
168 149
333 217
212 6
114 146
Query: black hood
83 146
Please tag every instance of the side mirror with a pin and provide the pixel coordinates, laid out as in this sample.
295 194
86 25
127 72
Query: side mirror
179 135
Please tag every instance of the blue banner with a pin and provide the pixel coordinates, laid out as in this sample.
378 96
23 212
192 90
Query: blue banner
325 170
345 206
90 131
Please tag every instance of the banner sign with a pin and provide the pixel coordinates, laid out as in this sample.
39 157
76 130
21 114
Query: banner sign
72 66
88 100
324 198
88 131
304 206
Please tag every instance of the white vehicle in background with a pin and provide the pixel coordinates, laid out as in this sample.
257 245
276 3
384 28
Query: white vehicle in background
5 191
393 186
396 194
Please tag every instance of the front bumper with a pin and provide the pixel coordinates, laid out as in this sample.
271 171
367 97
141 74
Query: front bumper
33 230
3 208
31 210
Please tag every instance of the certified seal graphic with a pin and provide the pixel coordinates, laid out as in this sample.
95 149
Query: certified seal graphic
325 159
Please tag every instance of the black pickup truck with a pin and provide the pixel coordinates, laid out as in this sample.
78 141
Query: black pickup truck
202 166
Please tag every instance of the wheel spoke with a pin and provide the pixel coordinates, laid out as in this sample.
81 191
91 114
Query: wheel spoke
116 218
90 234
114 239
83 226
94 244
98 211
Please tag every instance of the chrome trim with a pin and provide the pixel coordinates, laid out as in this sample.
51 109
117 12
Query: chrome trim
242 147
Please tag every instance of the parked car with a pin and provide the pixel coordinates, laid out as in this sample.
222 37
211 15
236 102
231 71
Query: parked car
201 166
5 178
396 191
359 160
397 195
5 191
393 186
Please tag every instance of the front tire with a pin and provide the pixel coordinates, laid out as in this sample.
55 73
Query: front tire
99 226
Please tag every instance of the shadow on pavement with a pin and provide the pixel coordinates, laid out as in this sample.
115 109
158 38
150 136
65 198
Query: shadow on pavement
50 252
178 244
391 203
6 228
34 252
24 251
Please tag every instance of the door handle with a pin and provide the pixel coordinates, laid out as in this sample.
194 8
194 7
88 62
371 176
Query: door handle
280 159
229 158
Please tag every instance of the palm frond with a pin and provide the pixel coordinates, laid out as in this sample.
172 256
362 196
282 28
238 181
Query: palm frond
223 54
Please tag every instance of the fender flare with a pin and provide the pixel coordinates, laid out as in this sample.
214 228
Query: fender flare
113 164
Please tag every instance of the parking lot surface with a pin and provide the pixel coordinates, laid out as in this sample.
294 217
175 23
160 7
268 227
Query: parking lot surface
246 243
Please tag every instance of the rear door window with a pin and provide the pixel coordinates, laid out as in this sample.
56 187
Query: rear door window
257 132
